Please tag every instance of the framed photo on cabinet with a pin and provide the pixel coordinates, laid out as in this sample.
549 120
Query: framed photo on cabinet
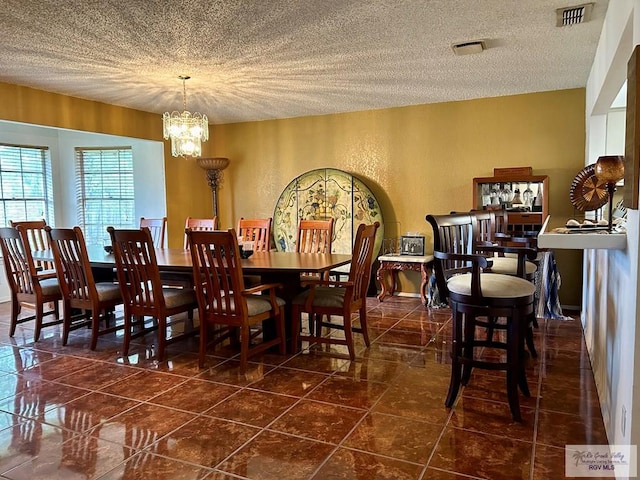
410 245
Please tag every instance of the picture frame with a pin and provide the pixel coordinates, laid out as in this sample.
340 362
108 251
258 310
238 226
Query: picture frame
412 245
631 194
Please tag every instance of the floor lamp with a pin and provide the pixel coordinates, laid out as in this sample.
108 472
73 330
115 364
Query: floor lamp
214 166
610 169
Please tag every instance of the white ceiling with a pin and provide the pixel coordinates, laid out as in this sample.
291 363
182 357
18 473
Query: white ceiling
265 59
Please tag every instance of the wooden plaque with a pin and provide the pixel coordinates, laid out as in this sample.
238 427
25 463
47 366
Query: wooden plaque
632 134
513 171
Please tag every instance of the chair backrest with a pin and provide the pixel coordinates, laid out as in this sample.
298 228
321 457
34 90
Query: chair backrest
72 263
199 224
315 236
360 271
157 227
484 226
18 261
502 220
217 274
36 238
138 272
256 230
451 234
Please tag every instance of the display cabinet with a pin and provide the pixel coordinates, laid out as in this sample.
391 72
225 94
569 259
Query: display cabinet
522 197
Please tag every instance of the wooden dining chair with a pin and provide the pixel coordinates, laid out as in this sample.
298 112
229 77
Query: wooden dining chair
157 228
142 291
37 238
334 298
79 289
314 236
29 286
223 298
199 224
256 230
476 299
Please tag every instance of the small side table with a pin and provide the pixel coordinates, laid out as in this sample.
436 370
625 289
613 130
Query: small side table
394 263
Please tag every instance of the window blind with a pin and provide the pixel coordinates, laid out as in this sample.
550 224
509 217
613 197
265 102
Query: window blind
105 191
26 191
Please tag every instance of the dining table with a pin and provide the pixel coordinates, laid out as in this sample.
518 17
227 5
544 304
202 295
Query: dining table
272 267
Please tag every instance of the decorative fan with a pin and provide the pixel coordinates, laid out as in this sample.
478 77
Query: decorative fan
587 192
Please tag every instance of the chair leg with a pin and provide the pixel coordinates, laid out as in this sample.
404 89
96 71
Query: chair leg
15 311
529 336
95 327
126 341
66 322
245 335
456 351
280 329
348 336
162 338
295 328
468 340
363 326
514 366
39 313
204 329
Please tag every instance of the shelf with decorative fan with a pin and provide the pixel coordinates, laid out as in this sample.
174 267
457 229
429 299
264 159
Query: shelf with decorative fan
587 193
580 239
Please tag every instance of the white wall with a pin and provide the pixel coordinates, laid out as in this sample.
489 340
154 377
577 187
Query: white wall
148 171
610 286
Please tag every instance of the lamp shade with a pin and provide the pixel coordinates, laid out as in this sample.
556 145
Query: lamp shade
213 163
610 168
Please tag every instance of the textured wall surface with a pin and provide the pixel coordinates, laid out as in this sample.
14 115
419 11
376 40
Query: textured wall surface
416 160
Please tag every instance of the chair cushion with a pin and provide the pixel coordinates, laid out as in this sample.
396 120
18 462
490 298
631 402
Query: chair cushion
323 297
257 304
509 266
493 285
108 291
177 297
50 286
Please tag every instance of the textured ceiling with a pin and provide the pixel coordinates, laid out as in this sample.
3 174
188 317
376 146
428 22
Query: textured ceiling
265 59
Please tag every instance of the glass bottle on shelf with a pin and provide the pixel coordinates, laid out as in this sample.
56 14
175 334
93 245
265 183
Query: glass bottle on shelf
537 202
493 194
503 194
517 200
527 196
486 197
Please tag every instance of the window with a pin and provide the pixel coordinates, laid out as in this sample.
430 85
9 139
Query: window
26 191
104 179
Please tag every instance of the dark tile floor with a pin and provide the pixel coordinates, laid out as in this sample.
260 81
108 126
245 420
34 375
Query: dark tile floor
68 412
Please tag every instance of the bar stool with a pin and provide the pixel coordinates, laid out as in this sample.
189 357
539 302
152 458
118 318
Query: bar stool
475 299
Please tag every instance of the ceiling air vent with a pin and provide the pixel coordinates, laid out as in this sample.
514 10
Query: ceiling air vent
467 48
573 15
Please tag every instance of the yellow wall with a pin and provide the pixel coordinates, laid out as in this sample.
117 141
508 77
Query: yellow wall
416 160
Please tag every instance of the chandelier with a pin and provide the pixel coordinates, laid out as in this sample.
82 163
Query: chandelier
186 131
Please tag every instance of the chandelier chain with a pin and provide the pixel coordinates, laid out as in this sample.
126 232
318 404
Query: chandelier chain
184 94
